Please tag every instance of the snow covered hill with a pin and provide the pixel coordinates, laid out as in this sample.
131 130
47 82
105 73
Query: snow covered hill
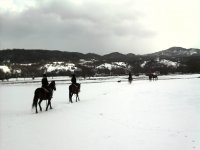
59 66
165 62
178 51
5 69
29 63
113 65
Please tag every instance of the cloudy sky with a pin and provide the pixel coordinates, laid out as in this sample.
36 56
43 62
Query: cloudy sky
100 26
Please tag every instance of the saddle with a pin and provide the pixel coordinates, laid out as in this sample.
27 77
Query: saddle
76 86
47 93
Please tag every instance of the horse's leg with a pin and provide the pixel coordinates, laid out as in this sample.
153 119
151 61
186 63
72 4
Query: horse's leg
151 78
70 97
156 77
36 111
48 104
40 104
77 97
70 94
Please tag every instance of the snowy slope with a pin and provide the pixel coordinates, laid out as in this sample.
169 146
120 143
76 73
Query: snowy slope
165 62
5 69
112 65
57 66
144 115
169 63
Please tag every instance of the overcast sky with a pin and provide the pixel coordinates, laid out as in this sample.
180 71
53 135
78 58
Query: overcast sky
100 26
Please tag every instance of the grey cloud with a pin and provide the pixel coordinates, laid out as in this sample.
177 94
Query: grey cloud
88 27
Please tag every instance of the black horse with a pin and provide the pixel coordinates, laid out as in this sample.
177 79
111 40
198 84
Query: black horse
153 76
42 94
130 79
74 89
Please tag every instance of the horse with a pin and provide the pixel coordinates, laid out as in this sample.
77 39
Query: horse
153 76
130 79
41 94
74 89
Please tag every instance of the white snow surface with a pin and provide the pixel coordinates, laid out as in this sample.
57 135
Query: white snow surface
169 63
143 115
5 69
112 65
143 64
57 66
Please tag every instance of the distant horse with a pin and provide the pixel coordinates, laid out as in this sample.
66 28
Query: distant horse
42 94
74 89
130 79
153 76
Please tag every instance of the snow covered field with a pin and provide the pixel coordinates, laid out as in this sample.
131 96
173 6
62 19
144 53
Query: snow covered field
144 115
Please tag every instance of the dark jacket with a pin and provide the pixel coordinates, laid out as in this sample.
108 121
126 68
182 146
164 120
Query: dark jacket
45 82
73 80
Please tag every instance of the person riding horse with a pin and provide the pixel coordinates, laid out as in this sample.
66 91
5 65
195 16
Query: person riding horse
73 80
74 88
45 85
40 94
130 78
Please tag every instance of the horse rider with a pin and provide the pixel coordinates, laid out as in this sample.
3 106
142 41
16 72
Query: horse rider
45 84
73 80
130 76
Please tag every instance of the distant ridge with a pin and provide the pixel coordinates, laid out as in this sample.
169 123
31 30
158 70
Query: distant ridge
177 51
38 55
34 62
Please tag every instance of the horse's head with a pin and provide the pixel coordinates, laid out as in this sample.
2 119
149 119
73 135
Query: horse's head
52 85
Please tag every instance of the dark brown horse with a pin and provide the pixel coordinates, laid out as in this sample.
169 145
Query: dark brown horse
153 76
74 89
42 94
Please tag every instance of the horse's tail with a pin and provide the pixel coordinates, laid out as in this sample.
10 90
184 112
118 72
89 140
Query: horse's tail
35 99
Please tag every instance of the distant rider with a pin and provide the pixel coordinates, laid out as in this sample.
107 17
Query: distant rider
45 83
130 78
73 80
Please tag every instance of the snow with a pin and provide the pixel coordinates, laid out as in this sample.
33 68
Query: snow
143 64
83 61
123 64
193 52
169 63
29 64
55 66
144 115
113 65
5 69
17 71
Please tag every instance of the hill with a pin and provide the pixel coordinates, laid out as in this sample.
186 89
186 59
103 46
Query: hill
34 62
178 52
